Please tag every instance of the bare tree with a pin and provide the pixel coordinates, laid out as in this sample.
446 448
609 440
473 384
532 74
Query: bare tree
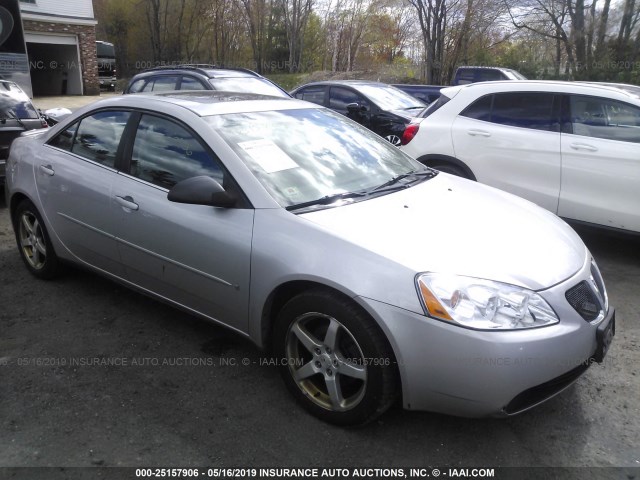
296 16
549 19
432 15
602 27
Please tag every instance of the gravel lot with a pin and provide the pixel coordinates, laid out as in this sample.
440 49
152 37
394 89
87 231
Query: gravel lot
161 412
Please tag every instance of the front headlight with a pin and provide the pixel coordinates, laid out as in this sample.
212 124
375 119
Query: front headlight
483 304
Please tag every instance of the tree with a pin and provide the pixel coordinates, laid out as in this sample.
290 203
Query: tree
296 16
432 15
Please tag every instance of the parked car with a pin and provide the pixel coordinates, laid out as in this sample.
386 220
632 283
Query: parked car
425 93
368 274
202 77
468 74
378 106
17 115
572 148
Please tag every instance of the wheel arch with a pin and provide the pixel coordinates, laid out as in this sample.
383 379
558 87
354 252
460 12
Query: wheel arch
14 201
286 291
432 160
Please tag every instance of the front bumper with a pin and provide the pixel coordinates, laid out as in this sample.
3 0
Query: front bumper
453 370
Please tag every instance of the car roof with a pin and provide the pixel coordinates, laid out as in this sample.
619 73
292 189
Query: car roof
556 86
210 71
344 82
622 86
205 103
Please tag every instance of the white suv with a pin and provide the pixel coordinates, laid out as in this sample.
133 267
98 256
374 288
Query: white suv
572 148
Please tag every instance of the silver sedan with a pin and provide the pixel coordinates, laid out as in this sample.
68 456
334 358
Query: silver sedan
369 276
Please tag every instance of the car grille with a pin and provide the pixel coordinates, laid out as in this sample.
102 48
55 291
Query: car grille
589 298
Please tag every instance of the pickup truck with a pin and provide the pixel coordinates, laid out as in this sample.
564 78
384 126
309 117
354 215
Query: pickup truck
426 93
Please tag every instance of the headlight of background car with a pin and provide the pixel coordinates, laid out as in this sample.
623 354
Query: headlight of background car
483 304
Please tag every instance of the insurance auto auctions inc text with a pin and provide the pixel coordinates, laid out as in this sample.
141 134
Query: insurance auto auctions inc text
375 472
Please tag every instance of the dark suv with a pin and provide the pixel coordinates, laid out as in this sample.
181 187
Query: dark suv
203 77
17 114
378 106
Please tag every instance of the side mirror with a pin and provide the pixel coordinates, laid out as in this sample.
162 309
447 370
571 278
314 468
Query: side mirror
356 108
201 190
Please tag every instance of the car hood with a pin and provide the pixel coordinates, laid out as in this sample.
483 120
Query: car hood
451 225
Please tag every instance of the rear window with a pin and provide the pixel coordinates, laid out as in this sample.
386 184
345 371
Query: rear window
433 107
15 103
480 109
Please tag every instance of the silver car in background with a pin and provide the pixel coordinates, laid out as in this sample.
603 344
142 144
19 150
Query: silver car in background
369 275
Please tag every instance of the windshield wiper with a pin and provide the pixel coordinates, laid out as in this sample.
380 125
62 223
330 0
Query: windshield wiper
329 199
394 180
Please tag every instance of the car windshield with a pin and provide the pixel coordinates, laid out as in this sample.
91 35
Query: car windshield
247 85
14 103
304 155
389 98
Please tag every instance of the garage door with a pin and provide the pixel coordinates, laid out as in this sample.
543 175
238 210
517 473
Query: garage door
54 63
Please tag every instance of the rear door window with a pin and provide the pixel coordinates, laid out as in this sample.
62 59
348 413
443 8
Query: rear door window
98 136
525 110
518 109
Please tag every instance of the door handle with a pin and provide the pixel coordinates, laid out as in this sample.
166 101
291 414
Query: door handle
584 146
478 133
127 202
47 170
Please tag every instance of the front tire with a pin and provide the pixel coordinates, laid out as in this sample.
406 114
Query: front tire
334 359
33 242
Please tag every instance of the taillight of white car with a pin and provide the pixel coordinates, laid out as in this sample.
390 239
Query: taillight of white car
409 132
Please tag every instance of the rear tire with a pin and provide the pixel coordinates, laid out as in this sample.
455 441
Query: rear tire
33 242
334 359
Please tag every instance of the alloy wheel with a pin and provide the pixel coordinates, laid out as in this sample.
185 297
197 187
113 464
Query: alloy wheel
326 362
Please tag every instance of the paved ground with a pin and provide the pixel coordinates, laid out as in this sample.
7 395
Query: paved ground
227 415
154 409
